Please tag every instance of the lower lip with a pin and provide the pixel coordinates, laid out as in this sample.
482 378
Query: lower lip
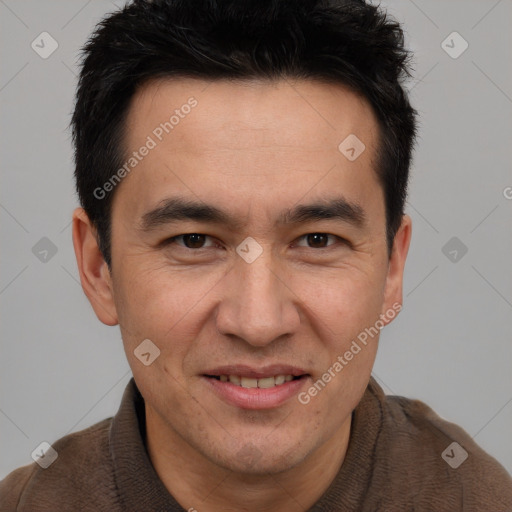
255 398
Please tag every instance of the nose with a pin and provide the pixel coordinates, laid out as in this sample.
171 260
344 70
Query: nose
258 305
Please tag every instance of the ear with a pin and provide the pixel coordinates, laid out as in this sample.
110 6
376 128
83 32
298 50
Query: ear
94 273
394 281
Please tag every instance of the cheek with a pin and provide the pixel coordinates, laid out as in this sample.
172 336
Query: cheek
164 306
344 302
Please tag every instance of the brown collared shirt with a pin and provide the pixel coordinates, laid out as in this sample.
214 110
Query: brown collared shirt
398 460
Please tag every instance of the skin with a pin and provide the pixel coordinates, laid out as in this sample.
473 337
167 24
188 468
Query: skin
254 149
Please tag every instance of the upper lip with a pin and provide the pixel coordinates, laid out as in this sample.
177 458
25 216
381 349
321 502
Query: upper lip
256 373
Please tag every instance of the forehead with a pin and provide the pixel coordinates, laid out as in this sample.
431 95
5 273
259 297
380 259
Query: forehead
258 140
272 108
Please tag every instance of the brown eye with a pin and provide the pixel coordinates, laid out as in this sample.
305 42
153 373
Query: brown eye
194 240
189 241
318 240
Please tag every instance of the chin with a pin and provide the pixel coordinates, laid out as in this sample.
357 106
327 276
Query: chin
255 460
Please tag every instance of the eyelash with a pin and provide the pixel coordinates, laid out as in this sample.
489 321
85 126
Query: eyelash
174 239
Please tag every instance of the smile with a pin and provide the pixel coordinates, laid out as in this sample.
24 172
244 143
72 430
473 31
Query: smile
247 388
248 382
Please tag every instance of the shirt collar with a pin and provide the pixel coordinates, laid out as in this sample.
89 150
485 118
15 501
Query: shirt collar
138 484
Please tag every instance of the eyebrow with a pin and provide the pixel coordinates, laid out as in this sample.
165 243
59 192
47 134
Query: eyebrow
176 209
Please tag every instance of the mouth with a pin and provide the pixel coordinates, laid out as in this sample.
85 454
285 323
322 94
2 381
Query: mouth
249 388
251 383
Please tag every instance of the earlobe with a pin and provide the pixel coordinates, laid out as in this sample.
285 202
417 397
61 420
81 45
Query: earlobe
94 273
393 294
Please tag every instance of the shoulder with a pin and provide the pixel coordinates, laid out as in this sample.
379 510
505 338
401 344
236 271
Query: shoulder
12 486
81 471
442 460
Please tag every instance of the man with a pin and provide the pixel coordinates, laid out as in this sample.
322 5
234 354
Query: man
242 169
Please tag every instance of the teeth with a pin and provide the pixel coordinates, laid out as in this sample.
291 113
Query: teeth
235 379
264 383
267 382
249 383
280 379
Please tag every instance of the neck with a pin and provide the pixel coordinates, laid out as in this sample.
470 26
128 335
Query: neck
199 484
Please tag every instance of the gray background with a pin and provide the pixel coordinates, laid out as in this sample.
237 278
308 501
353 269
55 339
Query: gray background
62 370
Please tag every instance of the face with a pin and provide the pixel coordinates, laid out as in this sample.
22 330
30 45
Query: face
251 251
